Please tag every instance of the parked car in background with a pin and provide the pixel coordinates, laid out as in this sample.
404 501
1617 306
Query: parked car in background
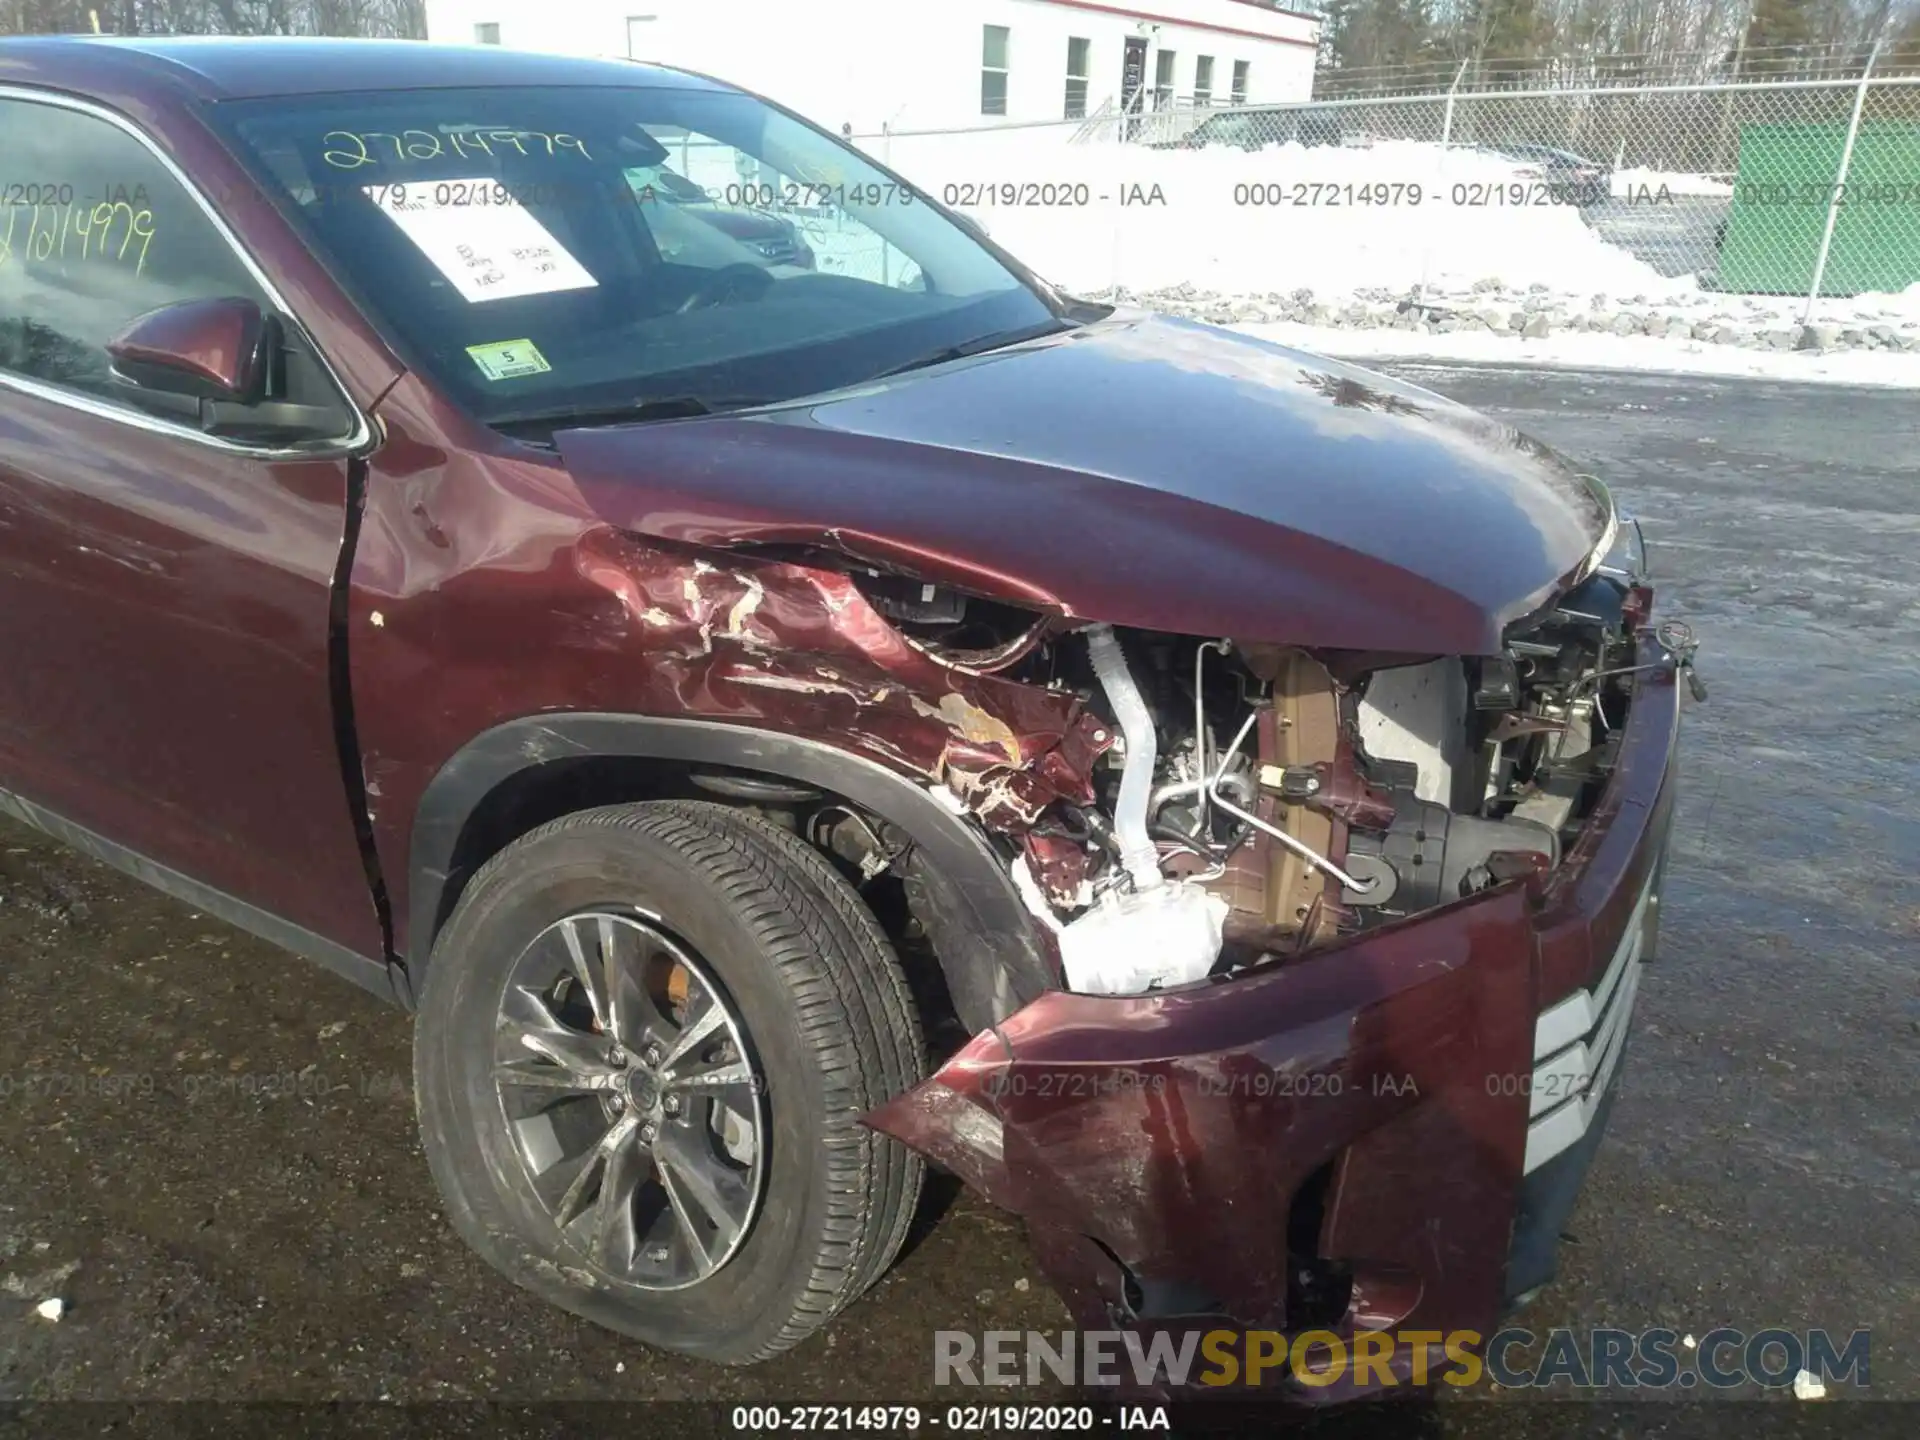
1253 128
1571 179
772 239
772 727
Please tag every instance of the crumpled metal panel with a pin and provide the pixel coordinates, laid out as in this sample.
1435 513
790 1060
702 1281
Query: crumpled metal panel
802 648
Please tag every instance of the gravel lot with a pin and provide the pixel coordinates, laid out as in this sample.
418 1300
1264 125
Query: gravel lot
207 1149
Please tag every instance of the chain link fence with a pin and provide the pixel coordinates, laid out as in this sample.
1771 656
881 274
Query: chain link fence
1790 188
1793 190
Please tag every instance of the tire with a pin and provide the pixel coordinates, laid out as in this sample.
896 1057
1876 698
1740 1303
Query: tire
761 926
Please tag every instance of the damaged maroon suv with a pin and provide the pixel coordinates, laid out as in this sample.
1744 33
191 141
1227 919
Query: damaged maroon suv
775 725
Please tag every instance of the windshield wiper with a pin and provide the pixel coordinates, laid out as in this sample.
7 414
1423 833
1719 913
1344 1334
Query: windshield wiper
652 407
979 347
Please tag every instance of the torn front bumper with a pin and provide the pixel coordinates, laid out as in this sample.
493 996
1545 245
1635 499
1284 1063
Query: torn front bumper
1342 1140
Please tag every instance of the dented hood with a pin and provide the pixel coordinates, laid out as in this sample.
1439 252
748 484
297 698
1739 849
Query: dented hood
1143 471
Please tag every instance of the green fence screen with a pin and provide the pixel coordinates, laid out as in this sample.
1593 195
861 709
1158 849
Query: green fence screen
1786 178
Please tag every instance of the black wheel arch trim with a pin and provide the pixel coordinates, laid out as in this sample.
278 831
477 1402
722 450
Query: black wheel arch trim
993 955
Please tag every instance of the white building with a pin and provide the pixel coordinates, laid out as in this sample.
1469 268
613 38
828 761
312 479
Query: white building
927 64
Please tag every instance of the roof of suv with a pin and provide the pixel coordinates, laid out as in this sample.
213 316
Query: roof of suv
221 68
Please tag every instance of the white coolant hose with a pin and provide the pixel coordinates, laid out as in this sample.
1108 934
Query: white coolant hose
1138 853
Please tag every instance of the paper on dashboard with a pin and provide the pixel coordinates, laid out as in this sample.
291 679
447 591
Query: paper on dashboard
495 250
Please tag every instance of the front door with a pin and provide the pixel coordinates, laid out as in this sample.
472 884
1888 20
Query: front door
164 596
1133 79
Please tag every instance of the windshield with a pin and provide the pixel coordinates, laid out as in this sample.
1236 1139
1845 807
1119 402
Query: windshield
538 249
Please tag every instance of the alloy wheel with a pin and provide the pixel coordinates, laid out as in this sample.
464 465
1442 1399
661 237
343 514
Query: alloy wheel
634 1101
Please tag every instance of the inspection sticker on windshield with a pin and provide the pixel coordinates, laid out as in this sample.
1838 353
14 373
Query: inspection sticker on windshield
509 359
490 252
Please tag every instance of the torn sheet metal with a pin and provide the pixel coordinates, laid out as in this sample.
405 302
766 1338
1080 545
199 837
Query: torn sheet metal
803 650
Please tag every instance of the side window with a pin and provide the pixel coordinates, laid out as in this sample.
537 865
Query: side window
94 231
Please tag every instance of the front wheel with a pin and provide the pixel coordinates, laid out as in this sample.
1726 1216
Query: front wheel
644 1044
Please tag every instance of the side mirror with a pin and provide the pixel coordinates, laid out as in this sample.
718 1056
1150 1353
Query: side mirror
196 349
220 364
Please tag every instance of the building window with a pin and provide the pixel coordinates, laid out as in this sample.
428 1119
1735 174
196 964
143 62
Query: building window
1163 80
1077 78
1239 82
993 69
1203 80
637 28
487 33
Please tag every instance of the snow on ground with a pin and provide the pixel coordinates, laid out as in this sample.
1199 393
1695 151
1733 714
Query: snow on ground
1398 248
1329 218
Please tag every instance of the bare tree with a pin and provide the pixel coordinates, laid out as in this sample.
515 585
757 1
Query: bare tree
1582 43
405 18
